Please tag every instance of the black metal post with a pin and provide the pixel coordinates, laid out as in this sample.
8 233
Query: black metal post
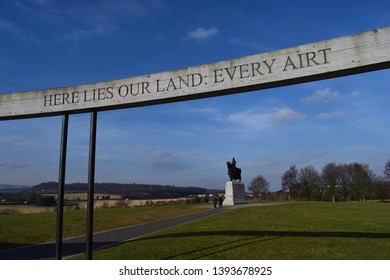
61 185
91 185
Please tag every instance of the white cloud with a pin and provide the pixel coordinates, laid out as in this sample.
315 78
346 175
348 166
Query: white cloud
287 114
330 115
201 34
355 93
251 119
238 42
324 95
255 119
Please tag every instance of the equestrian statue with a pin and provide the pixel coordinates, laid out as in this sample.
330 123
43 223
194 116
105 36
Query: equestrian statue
233 172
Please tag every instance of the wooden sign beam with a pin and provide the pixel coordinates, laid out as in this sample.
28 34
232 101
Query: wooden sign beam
347 55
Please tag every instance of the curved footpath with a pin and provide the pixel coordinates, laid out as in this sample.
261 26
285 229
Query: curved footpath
76 245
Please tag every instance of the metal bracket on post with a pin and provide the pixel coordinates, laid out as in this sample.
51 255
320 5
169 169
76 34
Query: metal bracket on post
61 185
91 185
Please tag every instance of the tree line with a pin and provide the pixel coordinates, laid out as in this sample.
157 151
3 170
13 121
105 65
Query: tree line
40 194
29 198
335 182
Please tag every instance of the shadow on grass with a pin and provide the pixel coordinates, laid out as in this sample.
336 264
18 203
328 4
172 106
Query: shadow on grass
253 237
220 248
257 233
45 250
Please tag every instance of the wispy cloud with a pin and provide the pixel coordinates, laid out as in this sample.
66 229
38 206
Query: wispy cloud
330 115
201 33
42 2
209 112
324 95
44 10
355 93
83 34
104 17
71 23
20 165
251 119
287 114
253 45
254 119
12 143
12 29
169 162
8 27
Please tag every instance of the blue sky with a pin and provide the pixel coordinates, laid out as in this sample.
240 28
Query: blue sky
49 43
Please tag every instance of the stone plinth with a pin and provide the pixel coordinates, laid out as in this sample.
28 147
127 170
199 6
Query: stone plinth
234 193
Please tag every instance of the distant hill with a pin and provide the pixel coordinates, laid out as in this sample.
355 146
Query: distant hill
131 191
12 188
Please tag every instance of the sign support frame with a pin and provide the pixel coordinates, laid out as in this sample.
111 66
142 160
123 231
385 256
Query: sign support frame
61 186
91 184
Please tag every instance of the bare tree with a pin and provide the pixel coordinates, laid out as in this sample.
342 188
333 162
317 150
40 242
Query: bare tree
363 179
345 180
289 180
259 185
331 178
310 180
386 172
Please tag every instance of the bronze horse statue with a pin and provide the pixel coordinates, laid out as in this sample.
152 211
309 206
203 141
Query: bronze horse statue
233 172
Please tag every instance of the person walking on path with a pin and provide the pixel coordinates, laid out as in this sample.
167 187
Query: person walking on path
220 201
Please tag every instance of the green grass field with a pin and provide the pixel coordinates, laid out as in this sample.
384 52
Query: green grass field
302 231
287 231
25 229
24 209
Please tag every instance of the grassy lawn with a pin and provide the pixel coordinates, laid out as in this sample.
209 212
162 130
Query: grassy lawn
25 229
290 231
24 209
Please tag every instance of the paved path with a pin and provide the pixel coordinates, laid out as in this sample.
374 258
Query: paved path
76 245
